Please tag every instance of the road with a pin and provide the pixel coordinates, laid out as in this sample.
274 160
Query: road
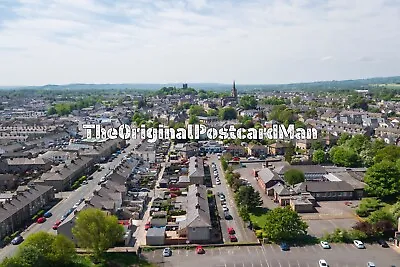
341 255
242 233
64 205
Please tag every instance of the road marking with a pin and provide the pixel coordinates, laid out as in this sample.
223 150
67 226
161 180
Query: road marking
187 253
298 263
219 251
289 263
248 249
314 248
279 263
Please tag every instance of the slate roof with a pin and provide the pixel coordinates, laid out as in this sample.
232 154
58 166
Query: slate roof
196 167
198 211
324 186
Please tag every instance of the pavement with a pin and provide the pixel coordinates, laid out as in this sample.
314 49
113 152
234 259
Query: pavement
69 200
243 234
267 255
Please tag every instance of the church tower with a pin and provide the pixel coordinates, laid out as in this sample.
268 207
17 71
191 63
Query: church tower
234 90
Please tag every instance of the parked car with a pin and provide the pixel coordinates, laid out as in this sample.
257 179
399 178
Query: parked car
200 250
85 182
56 224
17 240
167 252
325 245
218 182
147 226
41 220
323 263
227 216
359 244
284 247
225 208
47 214
233 238
371 264
383 243
231 231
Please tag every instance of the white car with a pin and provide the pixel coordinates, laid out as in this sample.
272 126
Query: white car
358 244
218 182
325 245
323 263
371 264
167 252
225 208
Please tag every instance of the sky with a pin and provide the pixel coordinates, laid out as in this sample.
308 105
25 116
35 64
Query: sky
165 41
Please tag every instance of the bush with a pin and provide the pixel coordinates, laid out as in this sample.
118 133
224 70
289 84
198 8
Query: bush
338 236
15 234
357 234
259 234
368 205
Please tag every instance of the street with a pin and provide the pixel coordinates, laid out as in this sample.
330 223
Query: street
64 205
243 234
341 255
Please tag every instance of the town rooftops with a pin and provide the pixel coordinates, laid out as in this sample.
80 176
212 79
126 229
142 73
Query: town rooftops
22 199
306 169
196 167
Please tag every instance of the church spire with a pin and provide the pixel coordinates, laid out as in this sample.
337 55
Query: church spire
234 90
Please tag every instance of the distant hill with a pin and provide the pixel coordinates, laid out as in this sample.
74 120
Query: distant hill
320 85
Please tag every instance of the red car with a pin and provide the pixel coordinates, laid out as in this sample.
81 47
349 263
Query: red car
236 159
200 250
174 189
55 226
231 231
41 220
233 238
147 226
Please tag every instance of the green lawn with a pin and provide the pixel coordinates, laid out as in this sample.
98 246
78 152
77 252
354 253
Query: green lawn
116 259
257 216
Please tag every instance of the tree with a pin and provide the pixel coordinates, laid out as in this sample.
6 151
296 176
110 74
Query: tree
343 138
43 249
317 145
228 113
296 100
224 164
344 156
196 110
289 153
318 156
395 210
294 176
247 197
380 215
391 153
382 179
284 224
193 119
97 231
248 102
358 142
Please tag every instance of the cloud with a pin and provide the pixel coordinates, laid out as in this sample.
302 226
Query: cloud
252 41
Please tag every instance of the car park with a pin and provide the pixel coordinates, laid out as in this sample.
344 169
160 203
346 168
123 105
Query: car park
322 263
167 252
325 245
359 244
17 240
